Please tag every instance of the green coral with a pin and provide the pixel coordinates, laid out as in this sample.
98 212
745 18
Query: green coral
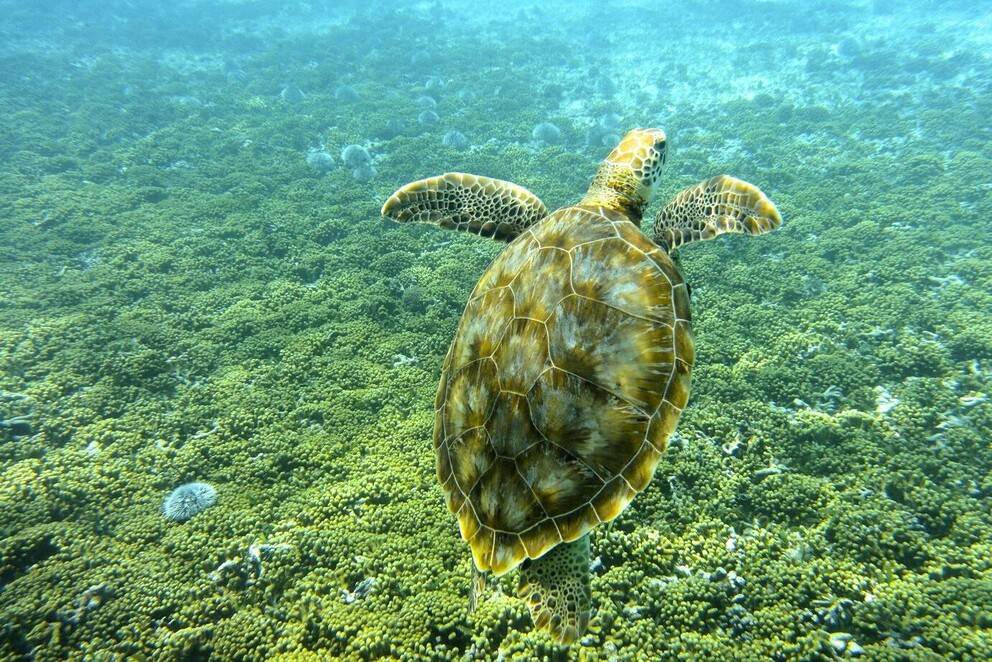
184 299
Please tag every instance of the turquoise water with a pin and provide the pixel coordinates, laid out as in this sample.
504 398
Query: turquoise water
196 287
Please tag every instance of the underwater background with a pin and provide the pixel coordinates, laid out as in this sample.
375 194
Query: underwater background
197 292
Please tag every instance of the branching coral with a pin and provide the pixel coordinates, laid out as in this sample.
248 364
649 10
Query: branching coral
184 297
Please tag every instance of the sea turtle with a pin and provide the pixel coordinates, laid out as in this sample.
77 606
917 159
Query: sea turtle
571 363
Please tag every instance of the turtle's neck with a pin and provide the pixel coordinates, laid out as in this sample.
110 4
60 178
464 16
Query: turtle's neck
616 187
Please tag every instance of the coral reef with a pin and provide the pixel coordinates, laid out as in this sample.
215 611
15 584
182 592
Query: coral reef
546 133
184 297
428 118
455 140
320 161
355 156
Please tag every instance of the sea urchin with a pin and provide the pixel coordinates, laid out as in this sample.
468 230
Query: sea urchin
187 500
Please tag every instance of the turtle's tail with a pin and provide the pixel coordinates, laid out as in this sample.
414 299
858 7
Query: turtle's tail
477 589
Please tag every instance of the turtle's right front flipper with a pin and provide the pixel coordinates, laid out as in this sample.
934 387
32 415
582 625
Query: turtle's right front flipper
470 203
713 207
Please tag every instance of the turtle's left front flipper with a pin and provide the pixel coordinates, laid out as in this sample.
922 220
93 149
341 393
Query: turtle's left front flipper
470 203
713 207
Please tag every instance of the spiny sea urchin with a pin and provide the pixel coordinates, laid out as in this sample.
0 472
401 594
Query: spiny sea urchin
188 500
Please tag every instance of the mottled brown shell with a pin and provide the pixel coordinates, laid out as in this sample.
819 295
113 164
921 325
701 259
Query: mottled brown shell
568 372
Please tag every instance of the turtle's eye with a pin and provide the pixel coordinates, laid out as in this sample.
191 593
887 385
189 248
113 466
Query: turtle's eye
661 147
655 161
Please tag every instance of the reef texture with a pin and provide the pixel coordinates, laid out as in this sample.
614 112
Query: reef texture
184 299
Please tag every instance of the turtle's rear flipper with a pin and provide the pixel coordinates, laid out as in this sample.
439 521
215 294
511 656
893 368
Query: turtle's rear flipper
713 207
556 587
470 203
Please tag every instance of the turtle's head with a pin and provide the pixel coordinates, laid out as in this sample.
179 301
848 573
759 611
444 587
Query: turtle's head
627 176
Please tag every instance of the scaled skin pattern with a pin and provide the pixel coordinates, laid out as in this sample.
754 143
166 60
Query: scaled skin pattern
186 299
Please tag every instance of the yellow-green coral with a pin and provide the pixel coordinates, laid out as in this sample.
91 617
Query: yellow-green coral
185 299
